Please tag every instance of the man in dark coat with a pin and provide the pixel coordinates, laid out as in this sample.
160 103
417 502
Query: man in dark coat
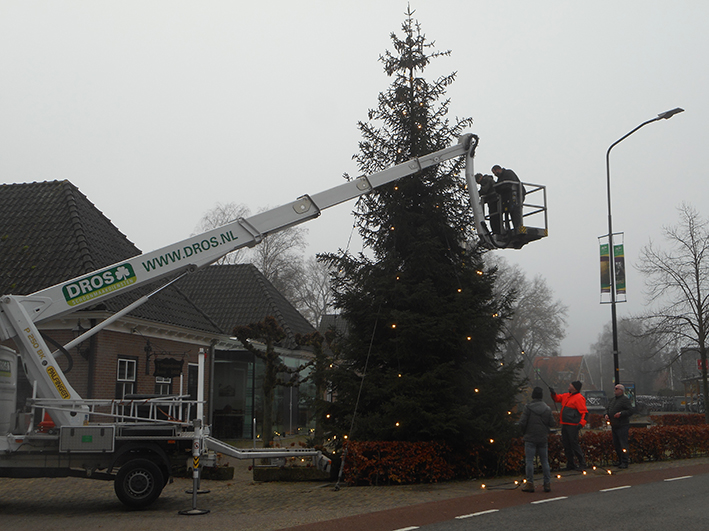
535 422
618 414
512 193
488 194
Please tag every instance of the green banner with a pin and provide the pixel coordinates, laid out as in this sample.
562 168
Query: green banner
605 269
619 261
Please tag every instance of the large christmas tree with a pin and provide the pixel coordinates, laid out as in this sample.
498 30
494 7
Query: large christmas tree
418 362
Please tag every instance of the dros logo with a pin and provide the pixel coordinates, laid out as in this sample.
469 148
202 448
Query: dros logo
97 284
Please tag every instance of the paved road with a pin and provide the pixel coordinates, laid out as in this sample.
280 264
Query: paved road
648 498
80 504
671 504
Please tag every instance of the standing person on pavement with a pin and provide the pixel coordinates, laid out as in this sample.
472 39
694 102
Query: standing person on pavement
535 422
618 414
572 419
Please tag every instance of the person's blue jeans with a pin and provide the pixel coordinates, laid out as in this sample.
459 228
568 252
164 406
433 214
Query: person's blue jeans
530 450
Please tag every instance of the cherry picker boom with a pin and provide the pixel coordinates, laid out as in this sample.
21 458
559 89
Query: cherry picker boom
138 453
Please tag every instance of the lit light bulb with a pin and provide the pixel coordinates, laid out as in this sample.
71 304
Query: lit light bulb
397 424
482 486
477 390
492 441
393 325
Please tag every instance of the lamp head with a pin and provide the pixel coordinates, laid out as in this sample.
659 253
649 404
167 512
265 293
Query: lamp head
669 114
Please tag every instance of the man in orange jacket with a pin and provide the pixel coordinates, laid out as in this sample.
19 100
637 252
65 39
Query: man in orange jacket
572 418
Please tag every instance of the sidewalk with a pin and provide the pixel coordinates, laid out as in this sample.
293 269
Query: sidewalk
81 504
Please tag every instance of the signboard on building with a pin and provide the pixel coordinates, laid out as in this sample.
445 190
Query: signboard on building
168 367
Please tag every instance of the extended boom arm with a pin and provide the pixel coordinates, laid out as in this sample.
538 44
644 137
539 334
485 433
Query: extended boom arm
19 315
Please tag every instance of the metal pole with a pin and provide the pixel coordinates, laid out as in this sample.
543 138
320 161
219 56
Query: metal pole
611 254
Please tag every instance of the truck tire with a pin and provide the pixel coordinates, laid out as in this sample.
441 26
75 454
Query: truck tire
139 483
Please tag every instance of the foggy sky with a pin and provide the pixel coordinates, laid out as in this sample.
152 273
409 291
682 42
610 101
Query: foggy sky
157 110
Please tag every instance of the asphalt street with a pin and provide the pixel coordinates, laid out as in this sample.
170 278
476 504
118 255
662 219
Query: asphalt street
640 495
678 502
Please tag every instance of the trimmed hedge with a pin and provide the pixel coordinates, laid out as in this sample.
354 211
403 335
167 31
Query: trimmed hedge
387 463
397 462
678 419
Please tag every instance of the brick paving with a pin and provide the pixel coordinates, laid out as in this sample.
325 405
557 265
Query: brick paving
80 504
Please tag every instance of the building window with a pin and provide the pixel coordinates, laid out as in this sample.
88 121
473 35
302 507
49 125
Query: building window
163 386
125 380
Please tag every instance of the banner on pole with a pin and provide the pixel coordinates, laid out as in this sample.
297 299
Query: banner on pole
619 265
605 269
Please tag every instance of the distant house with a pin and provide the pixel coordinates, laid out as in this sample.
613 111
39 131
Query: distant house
50 232
559 371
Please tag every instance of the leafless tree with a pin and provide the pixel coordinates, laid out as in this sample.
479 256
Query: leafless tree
276 372
221 215
313 294
643 357
677 282
537 326
277 256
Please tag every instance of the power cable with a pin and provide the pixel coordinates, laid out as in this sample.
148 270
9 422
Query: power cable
359 394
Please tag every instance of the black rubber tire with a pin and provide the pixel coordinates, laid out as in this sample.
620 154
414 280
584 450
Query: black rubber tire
139 483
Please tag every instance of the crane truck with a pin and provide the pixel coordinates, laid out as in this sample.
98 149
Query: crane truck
114 439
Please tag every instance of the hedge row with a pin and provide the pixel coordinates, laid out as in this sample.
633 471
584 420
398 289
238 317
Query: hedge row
397 462
386 463
678 419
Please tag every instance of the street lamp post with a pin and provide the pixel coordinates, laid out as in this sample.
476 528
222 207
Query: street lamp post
614 321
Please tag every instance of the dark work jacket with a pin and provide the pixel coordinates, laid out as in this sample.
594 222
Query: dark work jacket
487 188
507 175
573 408
622 404
536 421
510 176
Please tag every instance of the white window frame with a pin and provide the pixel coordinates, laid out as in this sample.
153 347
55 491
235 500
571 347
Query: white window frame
161 381
125 380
